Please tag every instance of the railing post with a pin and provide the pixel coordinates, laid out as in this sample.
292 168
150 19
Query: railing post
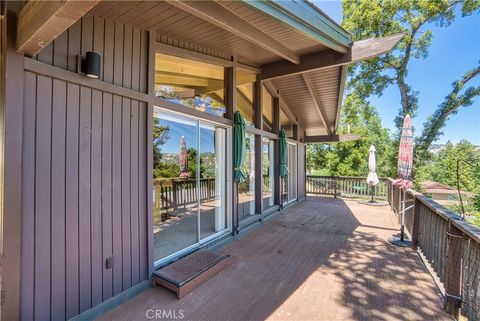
416 222
453 269
335 187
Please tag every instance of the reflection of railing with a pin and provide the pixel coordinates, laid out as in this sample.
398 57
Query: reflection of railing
171 194
345 186
450 245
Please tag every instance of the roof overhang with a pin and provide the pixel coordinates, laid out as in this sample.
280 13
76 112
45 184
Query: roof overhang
309 20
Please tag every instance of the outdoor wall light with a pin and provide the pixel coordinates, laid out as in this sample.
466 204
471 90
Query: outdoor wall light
90 64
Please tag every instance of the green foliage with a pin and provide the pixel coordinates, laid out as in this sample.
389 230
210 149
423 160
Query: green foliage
442 167
377 18
351 158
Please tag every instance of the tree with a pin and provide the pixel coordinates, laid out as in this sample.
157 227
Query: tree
376 18
351 158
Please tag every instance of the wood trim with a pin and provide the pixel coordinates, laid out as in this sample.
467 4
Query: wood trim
149 173
303 17
11 115
276 151
40 22
59 73
313 93
341 89
360 50
331 138
190 111
220 16
258 119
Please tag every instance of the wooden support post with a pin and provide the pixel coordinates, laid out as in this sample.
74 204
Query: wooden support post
258 120
276 151
230 103
453 270
11 113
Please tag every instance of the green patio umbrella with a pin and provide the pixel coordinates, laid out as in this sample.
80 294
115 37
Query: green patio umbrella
283 154
238 147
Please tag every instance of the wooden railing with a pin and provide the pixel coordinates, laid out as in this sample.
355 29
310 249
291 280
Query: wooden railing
448 244
345 186
171 194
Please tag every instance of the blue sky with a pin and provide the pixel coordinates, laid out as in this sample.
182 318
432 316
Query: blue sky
454 50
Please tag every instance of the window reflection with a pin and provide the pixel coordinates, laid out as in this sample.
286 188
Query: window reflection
246 190
244 94
267 172
190 83
267 110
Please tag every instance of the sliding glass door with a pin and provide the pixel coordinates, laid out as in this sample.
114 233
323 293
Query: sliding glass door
190 175
289 183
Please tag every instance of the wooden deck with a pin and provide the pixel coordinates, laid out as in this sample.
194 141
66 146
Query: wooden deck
323 259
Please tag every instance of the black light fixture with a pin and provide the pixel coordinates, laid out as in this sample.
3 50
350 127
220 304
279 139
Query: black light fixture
90 65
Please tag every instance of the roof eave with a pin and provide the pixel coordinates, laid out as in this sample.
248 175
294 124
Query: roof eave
304 18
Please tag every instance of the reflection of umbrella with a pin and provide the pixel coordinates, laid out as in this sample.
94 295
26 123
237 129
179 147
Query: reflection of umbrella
372 178
405 155
182 159
238 147
404 172
283 154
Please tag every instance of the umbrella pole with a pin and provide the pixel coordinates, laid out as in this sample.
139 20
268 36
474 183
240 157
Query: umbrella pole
400 241
373 192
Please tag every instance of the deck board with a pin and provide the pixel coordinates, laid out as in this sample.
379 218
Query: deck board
323 259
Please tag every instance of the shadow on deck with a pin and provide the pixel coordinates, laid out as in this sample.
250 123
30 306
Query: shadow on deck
323 259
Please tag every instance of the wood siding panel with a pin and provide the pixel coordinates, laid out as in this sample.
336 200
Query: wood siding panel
28 197
107 236
71 197
84 175
58 197
123 51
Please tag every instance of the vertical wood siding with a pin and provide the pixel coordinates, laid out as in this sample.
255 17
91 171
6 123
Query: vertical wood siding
84 175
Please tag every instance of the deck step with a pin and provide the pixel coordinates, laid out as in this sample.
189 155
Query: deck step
188 273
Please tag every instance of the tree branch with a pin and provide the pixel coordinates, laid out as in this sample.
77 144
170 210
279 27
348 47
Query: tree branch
451 104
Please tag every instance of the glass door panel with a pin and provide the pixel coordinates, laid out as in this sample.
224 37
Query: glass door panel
246 190
175 208
267 169
213 196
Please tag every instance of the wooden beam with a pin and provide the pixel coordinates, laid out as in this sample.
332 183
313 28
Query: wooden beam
343 78
40 22
331 138
317 102
360 50
220 16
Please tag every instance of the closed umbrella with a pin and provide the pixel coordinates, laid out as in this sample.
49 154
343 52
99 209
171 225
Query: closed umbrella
283 154
283 166
404 172
372 178
182 158
238 147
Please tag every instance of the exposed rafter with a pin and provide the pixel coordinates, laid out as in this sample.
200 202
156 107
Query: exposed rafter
220 16
331 138
361 50
40 22
343 78
283 104
314 94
